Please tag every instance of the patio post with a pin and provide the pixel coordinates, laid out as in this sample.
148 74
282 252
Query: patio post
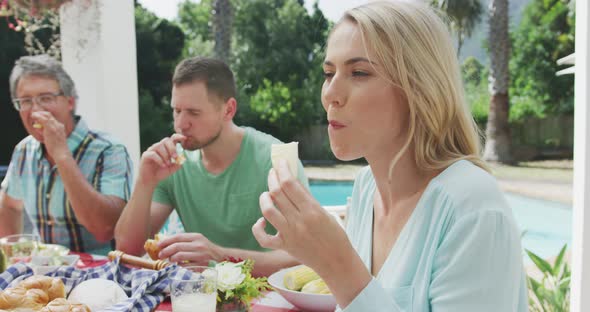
580 275
98 51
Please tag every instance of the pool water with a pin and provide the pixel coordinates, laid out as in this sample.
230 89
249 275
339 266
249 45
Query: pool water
546 225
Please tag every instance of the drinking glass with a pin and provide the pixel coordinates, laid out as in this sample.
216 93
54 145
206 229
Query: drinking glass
195 291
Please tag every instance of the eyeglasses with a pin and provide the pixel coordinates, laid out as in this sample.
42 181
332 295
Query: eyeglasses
44 100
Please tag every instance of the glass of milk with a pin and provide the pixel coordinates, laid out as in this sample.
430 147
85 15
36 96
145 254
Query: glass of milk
194 290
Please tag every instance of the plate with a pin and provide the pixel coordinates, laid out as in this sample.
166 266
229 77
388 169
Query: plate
45 264
50 250
303 301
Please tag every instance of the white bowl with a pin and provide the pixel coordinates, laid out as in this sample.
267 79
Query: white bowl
303 301
43 264
50 250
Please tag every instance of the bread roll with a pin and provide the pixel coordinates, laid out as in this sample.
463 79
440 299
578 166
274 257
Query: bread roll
35 299
12 297
63 305
21 298
53 286
151 247
288 152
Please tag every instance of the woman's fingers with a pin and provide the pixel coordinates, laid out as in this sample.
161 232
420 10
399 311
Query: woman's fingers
275 217
271 213
279 198
264 239
293 190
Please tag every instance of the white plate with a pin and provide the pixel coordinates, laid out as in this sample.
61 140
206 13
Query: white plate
42 264
50 250
306 302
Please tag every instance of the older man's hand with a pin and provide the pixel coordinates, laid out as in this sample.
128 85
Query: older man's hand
54 135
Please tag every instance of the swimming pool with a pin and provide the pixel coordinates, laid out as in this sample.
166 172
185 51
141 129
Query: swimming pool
546 225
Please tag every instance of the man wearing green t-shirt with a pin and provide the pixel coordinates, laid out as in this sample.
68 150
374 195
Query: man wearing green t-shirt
216 189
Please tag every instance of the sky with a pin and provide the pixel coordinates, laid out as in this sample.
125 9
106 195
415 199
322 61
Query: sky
332 9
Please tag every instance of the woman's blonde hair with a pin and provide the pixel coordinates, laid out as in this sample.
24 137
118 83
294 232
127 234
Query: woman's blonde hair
413 45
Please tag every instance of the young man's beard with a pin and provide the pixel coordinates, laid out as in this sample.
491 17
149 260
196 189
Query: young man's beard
195 145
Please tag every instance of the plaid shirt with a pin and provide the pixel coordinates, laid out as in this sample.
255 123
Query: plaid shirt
145 288
31 179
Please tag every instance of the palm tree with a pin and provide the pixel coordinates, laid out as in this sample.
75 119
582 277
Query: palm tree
222 25
464 15
497 147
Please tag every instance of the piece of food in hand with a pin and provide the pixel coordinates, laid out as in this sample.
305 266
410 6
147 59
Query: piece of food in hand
98 294
151 247
288 152
317 286
295 279
179 159
37 125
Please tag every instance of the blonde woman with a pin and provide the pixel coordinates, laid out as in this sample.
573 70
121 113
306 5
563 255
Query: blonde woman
428 229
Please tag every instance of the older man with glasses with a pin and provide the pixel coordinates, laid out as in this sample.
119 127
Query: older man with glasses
73 182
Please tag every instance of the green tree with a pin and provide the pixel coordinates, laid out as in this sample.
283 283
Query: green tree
464 16
278 40
194 20
159 48
12 48
472 70
498 141
545 34
194 17
272 102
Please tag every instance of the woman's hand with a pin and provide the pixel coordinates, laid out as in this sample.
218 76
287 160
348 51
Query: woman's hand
305 229
310 234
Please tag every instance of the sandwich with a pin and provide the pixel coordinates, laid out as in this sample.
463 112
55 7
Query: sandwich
288 152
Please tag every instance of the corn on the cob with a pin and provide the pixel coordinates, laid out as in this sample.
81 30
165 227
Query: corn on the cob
295 279
317 286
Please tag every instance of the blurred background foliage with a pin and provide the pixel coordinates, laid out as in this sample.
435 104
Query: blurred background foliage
276 55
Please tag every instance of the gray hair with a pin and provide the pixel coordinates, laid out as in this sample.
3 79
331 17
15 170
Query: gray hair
43 66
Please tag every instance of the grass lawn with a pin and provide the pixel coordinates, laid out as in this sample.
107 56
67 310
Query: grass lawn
557 171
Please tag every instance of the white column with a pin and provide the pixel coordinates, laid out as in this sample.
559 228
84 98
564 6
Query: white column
98 51
580 277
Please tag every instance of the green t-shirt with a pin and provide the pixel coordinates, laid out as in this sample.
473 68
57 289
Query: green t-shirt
223 207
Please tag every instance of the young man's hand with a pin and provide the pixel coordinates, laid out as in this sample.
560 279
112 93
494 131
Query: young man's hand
159 161
189 249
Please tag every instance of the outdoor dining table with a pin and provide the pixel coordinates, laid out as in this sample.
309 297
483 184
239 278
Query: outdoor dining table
271 302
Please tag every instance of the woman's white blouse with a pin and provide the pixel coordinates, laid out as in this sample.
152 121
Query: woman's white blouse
460 250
